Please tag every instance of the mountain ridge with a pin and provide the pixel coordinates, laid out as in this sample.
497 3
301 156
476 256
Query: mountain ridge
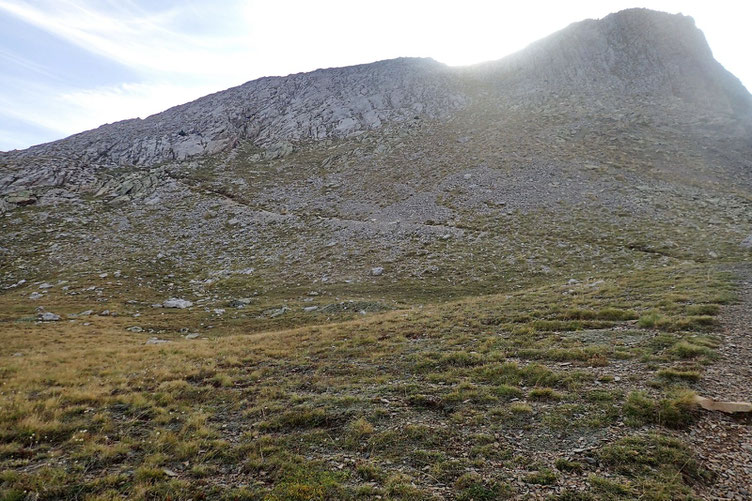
270 110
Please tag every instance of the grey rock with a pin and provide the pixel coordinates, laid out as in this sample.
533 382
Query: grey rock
241 302
135 328
21 198
177 303
278 150
47 316
155 340
192 335
747 242
277 312
17 284
377 271
35 295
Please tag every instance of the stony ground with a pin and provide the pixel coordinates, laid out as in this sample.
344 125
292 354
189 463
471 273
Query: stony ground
725 442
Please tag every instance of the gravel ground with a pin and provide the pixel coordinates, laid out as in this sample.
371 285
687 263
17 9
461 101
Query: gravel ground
723 441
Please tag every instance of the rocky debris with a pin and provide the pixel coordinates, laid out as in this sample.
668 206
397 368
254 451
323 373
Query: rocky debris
353 306
177 303
192 335
135 328
377 271
17 284
35 295
278 150
241 302
47 316
170 473
132 186
277 312
309 309
747 242
155 340
21 198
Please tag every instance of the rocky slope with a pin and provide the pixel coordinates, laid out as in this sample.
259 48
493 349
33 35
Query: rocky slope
611 141
635 52
632 54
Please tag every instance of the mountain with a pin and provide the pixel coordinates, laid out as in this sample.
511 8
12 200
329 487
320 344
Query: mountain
563 226
629 114
635 53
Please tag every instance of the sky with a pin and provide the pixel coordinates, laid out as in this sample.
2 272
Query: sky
71 65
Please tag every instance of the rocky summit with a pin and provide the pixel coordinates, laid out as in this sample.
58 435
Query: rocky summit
396 280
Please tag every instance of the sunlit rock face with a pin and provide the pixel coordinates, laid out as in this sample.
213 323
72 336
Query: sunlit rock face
633 52
322 104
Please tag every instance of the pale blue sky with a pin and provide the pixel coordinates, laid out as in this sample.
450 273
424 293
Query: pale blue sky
71 65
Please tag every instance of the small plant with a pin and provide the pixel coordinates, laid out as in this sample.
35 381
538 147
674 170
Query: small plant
703 309
673 412
686 349
544 476
679 374
651 320
520 408
565 465
544 394
507 391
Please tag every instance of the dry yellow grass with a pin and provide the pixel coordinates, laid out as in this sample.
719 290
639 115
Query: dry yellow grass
421 395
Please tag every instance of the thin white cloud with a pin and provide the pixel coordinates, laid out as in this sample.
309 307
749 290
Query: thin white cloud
70 112
170 66
25 63
128 35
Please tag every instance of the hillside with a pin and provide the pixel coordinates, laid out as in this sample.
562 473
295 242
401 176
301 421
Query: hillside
397 280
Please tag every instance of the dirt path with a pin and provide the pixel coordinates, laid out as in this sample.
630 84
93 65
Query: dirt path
725 442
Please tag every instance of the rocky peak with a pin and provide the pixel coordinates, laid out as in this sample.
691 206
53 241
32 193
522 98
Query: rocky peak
632 52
